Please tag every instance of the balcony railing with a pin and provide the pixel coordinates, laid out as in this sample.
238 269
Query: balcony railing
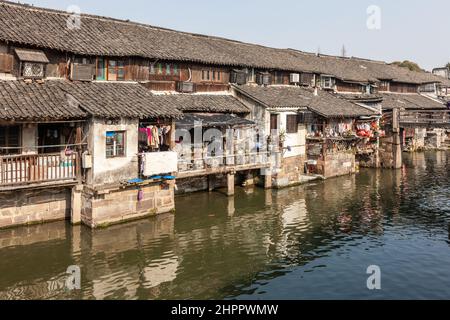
20 170
257 159
431 118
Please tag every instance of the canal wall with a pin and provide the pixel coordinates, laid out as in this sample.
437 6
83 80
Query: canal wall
338 164
110 206
34 206
291 172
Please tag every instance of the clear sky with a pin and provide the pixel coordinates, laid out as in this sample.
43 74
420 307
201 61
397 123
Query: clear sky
409 29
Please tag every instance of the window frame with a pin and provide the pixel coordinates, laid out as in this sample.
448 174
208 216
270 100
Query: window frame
211 75
290 119
7 142
274 119
116 154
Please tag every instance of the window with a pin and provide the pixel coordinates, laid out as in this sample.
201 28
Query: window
152 68
101 69
10 139
291 123
116 70
159 67
429 87
273 122
211 75
279 78
175 70
327 82
205 75
33 70
115 144
168 68
251 75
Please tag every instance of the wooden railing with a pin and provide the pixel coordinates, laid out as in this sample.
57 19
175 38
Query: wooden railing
232 160
429 118
32 169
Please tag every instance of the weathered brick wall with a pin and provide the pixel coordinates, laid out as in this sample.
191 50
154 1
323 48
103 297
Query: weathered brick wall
291 172
339 164
122 205
34 206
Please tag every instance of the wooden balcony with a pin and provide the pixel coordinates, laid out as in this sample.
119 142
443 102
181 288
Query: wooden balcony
208 165
26 171
429 119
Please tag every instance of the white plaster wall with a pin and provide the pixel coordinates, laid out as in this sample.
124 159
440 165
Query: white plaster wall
113 170
297 141
29 138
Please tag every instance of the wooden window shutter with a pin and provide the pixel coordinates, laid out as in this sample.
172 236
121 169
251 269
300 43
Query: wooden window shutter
291 123
273 122
6 63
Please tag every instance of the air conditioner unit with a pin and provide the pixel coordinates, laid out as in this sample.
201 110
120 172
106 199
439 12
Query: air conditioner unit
238 77
82 72
263 78
294 78
185 87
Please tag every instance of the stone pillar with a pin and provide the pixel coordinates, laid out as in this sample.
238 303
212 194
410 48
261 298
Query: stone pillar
230 184
75 216
267 180
397 151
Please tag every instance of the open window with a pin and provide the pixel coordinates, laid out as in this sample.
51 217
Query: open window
10 140
110 70
115 144
327 82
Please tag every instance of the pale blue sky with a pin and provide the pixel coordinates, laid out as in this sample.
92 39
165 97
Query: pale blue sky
414 30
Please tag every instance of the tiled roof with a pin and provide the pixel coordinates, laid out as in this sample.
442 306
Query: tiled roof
219 103
409 101
28 101
68 100
118 99
100 36
325 104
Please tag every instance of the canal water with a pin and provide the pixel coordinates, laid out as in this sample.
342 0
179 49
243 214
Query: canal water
309 242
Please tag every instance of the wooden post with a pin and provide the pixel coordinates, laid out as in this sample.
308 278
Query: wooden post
172 136
230 184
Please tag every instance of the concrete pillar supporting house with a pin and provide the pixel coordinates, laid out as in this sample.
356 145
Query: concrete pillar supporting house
230 184
396 142
75 216
397 150
267 180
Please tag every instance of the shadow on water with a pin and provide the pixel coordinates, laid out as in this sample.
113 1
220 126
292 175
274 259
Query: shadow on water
311 241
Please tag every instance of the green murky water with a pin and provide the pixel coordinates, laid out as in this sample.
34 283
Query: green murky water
313 241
